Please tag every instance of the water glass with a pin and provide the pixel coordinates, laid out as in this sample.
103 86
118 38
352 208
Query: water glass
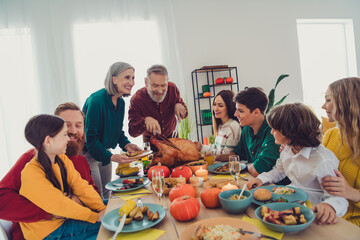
234 167
191 137
147 146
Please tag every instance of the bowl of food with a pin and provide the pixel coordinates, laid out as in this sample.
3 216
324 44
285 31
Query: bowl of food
230 203
194 166
285 217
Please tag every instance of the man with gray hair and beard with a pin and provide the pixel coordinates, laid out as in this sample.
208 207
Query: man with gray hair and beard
153 108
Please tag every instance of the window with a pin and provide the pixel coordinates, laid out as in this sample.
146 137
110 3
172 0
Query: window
327 53
99 45
18 94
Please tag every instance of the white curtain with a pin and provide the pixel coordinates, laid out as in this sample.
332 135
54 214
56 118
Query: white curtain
46 72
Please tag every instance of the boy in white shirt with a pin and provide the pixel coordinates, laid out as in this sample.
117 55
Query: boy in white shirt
303 160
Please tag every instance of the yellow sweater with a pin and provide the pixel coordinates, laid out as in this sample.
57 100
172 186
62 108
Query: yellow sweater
40 191
347 168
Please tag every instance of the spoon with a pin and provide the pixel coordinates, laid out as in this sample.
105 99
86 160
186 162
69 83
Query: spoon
242 191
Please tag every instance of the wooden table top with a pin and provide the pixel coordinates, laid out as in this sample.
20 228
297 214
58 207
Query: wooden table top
341 230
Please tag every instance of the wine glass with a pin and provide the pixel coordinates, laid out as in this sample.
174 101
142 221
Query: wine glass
158 183
234 167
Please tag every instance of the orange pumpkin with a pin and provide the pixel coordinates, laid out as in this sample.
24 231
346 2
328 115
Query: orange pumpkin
210 197
184 208
165 169
183 171
206 94
182 190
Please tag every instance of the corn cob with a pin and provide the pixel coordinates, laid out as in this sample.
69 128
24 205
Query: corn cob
128 171
127 207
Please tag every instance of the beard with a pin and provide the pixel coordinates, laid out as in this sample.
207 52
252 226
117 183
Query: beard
75 147
154 98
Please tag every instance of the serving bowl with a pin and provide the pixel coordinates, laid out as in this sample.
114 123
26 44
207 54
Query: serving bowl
196 165
235 206
307 212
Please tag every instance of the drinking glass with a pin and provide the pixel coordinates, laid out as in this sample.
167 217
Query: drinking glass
147 146
158 183
191 137
234 167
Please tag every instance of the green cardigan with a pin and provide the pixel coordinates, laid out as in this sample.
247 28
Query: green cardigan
103 125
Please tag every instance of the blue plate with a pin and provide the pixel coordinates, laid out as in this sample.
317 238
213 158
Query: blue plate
212 167
111 220
116 185
298 195
308 214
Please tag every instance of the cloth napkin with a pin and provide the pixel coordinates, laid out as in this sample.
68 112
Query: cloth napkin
148 234
227 176
134 194
263 228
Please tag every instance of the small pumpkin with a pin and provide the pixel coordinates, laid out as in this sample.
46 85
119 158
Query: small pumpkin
229 80
184 171
210 197
184 208
206 94
182 190
219 81
165 169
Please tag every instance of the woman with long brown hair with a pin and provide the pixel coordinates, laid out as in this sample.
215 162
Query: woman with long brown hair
226 126
342 105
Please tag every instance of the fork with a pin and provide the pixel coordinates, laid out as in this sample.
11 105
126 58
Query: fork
175 133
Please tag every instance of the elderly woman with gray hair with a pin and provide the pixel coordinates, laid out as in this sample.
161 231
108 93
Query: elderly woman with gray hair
104 114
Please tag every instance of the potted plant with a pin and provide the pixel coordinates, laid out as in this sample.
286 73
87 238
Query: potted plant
272 94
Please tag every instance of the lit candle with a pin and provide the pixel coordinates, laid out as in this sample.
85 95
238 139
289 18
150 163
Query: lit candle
228 187
181 180
202 173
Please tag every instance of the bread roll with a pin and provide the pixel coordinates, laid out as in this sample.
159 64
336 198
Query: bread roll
262 195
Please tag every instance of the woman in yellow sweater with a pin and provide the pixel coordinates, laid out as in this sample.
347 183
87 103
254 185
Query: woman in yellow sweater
342 104
51 182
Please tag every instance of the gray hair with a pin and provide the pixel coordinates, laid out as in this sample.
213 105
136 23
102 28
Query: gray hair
158 69
114 71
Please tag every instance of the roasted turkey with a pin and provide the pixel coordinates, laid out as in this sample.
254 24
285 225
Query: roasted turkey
171 157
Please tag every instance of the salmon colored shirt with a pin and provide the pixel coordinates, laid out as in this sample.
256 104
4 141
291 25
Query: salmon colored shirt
40 191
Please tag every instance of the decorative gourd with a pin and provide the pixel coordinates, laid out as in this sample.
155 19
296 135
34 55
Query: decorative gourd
184 171
184 208
206 94
182 190
210 197
165 169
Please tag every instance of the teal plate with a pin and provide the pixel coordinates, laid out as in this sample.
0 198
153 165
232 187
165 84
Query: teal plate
299 194
111 220
116 185
212 167
308 214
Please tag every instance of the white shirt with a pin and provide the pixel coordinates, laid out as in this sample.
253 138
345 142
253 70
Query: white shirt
227 138
305 170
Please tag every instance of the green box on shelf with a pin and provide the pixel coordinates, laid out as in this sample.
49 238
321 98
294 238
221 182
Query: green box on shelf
206 116
205 88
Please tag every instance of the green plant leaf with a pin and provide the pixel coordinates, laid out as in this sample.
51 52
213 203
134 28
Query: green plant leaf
281 77
271 95
281 100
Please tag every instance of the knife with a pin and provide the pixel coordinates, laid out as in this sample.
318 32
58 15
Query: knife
162 137
256 234
245 179
120 227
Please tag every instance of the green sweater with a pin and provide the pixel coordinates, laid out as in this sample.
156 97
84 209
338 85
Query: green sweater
259 149
103 125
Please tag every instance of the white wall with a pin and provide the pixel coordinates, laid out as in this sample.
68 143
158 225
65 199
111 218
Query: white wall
257 36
